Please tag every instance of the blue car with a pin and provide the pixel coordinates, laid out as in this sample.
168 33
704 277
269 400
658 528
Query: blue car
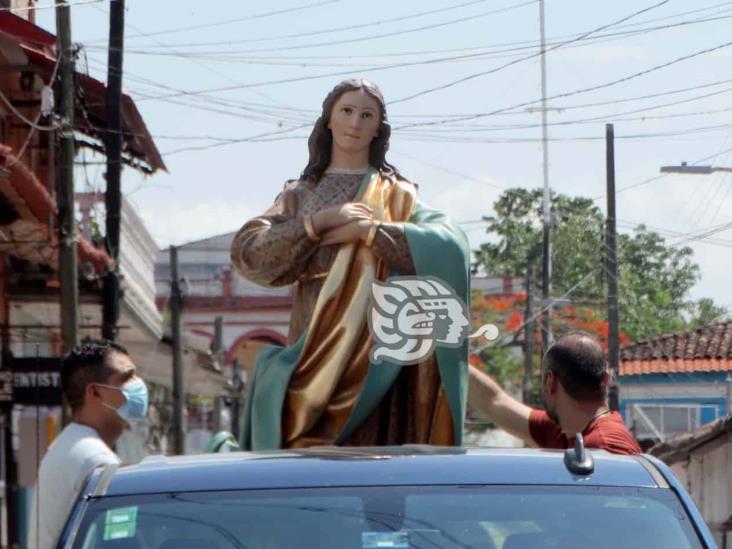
401 497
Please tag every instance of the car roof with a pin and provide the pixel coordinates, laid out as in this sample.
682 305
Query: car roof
379 466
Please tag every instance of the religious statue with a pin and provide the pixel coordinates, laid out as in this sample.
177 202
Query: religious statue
350 222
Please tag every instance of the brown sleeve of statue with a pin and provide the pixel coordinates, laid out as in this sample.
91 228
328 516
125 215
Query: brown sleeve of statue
390 245
273 249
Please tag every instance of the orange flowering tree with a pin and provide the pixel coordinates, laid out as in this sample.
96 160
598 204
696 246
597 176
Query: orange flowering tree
503 359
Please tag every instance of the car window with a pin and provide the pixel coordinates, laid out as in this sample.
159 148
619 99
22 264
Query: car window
400 517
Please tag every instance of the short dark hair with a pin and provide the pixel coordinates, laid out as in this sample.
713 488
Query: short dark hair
578 361
86 363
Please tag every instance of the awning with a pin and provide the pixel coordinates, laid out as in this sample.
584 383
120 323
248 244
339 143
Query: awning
26 214
90 117
25 30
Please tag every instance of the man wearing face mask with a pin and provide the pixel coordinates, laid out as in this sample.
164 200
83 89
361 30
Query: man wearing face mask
105 394
574 389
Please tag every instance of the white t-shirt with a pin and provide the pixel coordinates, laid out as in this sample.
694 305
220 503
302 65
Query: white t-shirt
70 458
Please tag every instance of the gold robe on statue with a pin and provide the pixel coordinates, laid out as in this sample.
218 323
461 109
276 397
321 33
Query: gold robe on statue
274 250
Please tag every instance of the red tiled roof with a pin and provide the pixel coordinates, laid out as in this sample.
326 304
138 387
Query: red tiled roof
638 367
706 349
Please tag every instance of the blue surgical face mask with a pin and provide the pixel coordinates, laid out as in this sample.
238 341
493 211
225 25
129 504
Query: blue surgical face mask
135 408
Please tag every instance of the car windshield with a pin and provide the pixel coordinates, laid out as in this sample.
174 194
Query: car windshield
500 517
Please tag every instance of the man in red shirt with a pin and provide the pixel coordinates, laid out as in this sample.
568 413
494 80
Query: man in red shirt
574 389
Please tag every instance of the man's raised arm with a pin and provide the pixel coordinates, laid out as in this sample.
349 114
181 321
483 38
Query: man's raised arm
490 401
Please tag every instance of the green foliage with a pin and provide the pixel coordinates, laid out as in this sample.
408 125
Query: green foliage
504 364
654 278
705 312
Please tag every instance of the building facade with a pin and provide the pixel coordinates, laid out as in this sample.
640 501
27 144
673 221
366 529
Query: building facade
677 382
702 461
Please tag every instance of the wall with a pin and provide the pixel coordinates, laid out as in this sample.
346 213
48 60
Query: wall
707 476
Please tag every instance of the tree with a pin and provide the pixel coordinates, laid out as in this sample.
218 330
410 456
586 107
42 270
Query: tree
705 312
502 359
654 277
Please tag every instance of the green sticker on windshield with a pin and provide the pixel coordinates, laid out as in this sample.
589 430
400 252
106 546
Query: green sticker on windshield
385 540
120 523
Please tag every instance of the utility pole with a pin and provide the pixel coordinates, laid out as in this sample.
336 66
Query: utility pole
217 349
67 256
529 338
546 271
237 383
611 264
113 145
65 182
179 391
217 346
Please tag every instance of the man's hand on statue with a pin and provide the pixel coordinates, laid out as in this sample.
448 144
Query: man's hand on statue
350 232
337 216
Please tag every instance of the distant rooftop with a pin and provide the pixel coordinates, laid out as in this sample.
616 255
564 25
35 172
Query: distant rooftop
706 349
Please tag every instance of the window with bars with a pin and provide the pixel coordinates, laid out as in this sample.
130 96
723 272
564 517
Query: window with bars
661 421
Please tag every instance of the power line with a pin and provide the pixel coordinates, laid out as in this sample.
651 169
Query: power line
250 105
579 91
450 171
532 56
704 233
453 138
661 176
267 112
253 138
492 51
527 43
449 129
673 233
648 96
278 136
474 128
285 11
278 113
371 37
344 28
617 117
203 65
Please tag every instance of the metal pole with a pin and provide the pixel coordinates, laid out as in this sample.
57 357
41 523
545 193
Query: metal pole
529 338
546 271
179 392
236 401
217 349
217 414
613 344
113 145
218 339
65 183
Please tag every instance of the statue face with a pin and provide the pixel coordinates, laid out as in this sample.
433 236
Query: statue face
355 121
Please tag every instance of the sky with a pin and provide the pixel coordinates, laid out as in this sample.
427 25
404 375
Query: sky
230 90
